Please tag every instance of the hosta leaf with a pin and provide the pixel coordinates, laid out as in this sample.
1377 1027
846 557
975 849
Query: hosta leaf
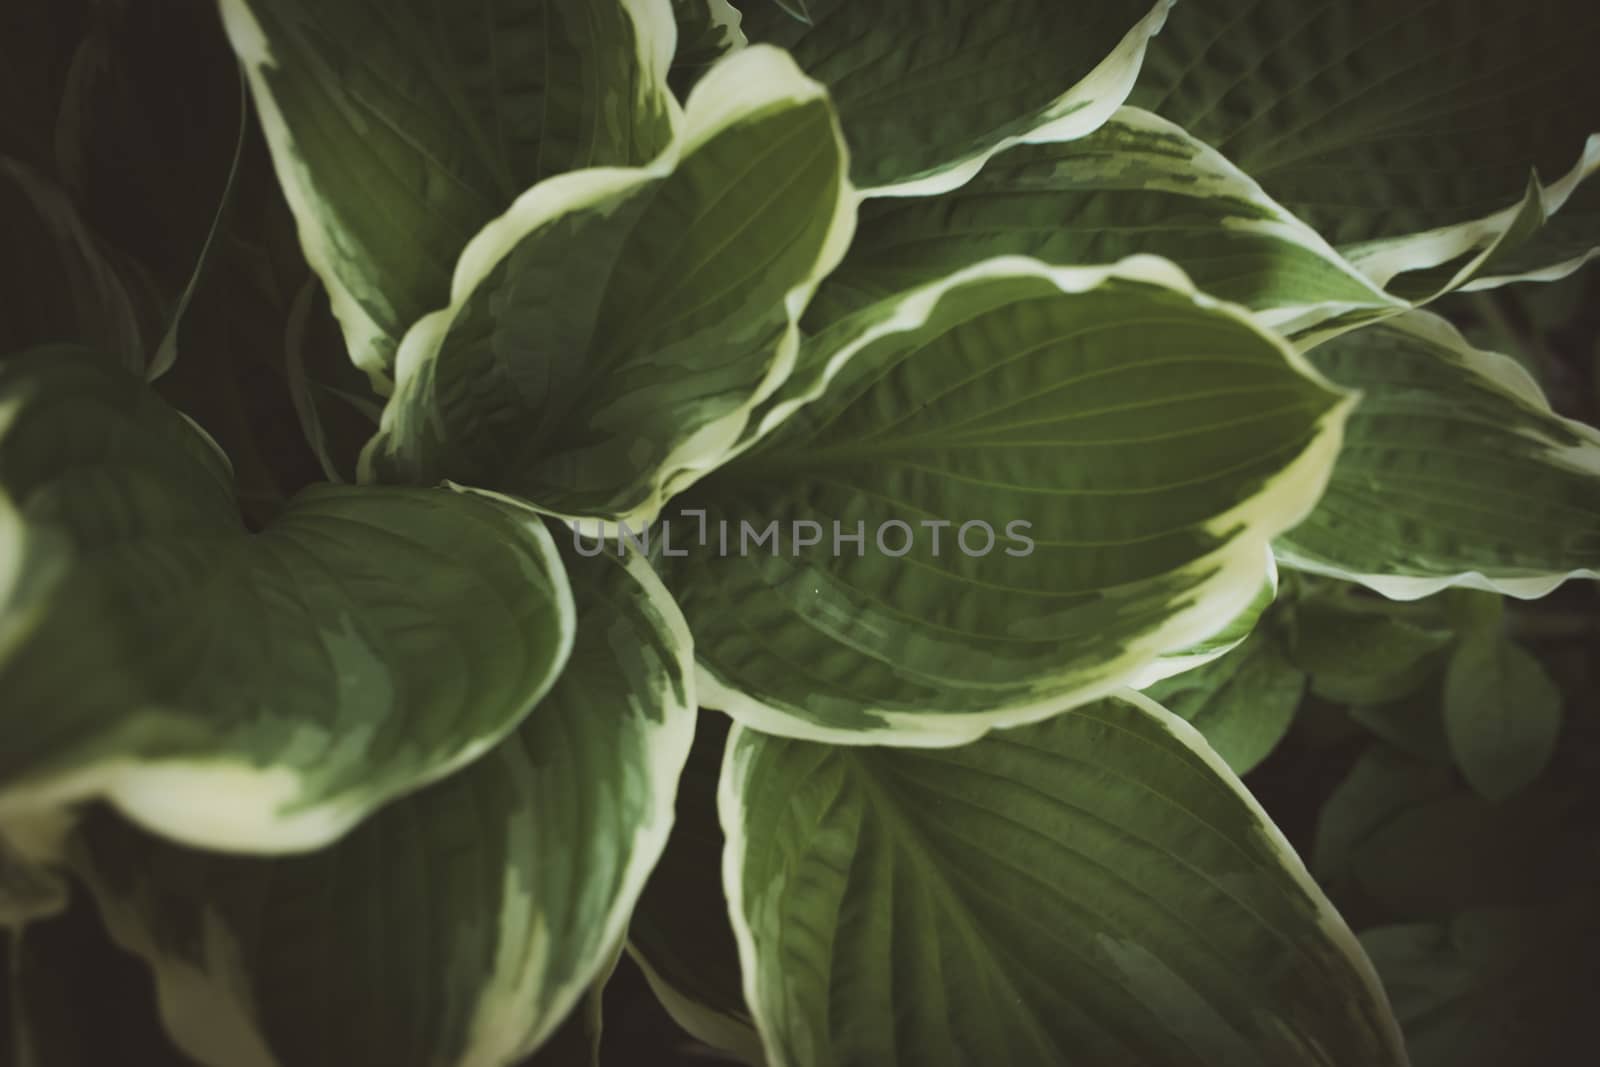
1413 723
1242 703
1407 134
1362 658
460 924
236 689
1381 788
1219 644
1154 440
927 91
610 334
1098 888
1565 243
1137 184
1502 713
707 30
577 1041
680 934
1454 472
399 129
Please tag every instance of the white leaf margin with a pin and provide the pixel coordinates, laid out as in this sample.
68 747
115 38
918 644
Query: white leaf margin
497 1033
1220 643
1080 110
742 84
1238 568
1518 387
1384 259
219 801
735 779
723 16
205 1006
655 30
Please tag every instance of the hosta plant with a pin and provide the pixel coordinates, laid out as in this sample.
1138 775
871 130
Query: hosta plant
813 503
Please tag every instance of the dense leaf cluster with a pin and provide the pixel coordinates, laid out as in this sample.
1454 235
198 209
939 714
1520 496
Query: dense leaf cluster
380 384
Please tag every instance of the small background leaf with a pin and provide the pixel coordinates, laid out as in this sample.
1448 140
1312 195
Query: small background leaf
1242 703
1502 713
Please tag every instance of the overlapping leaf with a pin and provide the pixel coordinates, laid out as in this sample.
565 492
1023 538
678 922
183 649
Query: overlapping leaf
707 31
610 334
1098 888
236 689
1405 133
1242 703
928 90
1137 184
399 129
457 926
1502 710
1130 445
1363 657
1211 648
1454 471
1565 243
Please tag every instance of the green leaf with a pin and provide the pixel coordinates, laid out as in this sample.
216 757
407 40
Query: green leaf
1454 472
398 130
1362 657
927 91
1137 184
707 31
1242 703
457 926
576 1042
610 335
1502 713
1413 723
1219 644
1381 788
1406 135
236 689
1563 245
1131 445
1098 888
680 935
